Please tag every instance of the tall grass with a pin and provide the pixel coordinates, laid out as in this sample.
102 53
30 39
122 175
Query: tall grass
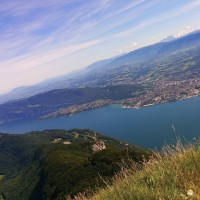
172 174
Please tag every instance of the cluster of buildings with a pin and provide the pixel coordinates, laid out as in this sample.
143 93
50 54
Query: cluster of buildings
165 91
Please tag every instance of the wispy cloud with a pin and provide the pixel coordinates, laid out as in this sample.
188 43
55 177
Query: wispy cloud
159 18
36 34
28 62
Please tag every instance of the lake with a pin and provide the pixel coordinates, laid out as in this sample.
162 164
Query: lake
148 127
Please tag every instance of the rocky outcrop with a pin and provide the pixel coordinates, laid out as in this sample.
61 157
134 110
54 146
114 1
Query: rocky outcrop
98 146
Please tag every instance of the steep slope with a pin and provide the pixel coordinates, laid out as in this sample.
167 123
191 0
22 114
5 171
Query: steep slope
173 174
55 163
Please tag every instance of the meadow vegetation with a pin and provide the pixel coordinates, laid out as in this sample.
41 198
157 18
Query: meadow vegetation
172 174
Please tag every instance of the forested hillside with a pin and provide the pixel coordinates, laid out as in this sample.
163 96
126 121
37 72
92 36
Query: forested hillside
54 164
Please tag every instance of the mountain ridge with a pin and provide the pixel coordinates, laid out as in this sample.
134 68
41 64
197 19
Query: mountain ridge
73 79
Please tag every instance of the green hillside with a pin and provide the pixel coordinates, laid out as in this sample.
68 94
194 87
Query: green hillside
173 174
54 164
45 103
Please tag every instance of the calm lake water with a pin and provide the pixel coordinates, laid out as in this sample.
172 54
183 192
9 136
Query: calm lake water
148 127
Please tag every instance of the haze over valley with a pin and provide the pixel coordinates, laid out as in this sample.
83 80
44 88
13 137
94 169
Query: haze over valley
163 72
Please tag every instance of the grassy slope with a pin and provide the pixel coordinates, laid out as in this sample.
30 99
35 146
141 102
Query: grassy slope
165 177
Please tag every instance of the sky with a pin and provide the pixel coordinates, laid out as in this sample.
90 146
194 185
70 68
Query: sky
42 39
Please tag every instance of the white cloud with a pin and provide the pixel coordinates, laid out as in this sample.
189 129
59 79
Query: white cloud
187 30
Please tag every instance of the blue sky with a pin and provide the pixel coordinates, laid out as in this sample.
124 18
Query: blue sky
45 38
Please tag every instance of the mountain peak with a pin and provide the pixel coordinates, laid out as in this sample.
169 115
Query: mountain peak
168 39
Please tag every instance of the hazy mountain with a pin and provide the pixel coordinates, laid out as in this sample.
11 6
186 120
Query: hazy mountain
60 82
81 78
151 52
168 39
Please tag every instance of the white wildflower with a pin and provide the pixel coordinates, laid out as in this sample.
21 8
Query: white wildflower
190 193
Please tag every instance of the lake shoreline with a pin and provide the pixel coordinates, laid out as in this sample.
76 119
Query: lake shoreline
150 127
92 105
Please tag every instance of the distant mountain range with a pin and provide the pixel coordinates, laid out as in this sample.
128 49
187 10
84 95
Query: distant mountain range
92 75
61 82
